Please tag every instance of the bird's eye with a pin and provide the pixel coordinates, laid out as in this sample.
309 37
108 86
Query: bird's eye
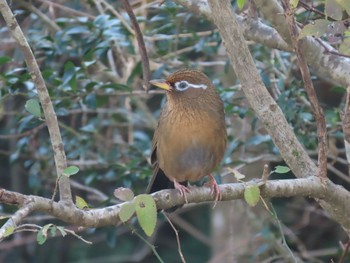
181 86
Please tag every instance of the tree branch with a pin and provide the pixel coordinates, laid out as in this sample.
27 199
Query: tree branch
253 30
269 112
50 115
142 48
308 187
325 64
259 98
310 90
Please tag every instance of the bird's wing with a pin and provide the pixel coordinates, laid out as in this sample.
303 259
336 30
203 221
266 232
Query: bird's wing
159 181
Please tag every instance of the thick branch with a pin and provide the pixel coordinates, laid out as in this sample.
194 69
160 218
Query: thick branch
310 90
308 187
253 30
325 65
269 112
50 115
259 98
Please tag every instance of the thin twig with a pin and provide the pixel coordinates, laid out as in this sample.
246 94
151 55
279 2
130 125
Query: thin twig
23 134
148 243
56 187
77 236
177 238
119 16
345 252
333 52
182 35
310 90
51 23
67 10
266 173
142 48
312 9
284 241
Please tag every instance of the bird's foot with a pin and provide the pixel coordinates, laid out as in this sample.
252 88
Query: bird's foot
183 190
214 189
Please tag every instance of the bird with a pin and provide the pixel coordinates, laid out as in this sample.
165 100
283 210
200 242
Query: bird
190 139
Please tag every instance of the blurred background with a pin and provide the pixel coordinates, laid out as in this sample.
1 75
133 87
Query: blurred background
89 57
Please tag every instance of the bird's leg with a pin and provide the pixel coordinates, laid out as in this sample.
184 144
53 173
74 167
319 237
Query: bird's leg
183 190
214 188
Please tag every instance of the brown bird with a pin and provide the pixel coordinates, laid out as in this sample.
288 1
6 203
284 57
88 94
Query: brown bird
190 139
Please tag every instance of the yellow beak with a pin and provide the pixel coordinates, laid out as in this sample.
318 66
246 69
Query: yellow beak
161 83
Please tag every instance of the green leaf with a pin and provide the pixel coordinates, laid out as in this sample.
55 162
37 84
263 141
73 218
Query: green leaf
126 212
53 230
294 3
333 9
42 234
252 195
9 231
40 237
345 4
146 213
317 28
69 76
91 128
237 174
124 194
281 169
4 60
33 107
70 170
81 203
344 47
241 3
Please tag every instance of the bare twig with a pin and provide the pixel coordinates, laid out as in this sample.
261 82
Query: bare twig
23 134
177 238
310 90
119 16
77 236
153 248
329 50
190 229
67 10
312 9
40 14
266 173
142 48
345 252
44 97
285 245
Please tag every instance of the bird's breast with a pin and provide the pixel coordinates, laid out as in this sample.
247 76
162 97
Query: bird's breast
190 147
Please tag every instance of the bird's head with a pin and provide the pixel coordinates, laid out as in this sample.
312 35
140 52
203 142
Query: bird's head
188 83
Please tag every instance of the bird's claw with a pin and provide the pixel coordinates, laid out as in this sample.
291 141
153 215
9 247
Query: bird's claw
214 189
183 190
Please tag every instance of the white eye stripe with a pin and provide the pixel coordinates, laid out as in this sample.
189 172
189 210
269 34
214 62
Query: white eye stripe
184 85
